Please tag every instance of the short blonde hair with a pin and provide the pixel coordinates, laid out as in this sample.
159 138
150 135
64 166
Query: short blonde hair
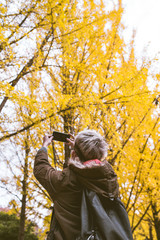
89 144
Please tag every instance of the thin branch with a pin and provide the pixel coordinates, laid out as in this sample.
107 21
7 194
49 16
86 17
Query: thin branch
10 192
133 229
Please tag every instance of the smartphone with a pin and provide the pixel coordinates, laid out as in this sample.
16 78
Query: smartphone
58 136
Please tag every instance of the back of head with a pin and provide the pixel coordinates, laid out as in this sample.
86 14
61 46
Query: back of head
90 145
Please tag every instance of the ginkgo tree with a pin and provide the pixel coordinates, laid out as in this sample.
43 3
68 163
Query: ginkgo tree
66 66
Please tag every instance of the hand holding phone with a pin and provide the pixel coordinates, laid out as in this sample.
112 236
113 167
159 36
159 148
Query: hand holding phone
71 141
47 139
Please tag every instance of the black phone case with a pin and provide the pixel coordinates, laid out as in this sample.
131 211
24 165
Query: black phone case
61 137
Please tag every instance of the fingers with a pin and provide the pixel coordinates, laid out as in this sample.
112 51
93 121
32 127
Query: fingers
71 135
69 140
47 139
48 136
70 143
51 137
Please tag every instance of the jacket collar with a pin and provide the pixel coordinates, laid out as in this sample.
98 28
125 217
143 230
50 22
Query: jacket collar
87 164
97 176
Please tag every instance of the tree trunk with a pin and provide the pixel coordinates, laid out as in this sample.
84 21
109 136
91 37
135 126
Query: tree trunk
68 115
156 220
150 230
24 195
67 129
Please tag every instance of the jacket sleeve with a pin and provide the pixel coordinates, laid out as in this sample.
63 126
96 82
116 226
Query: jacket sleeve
47 176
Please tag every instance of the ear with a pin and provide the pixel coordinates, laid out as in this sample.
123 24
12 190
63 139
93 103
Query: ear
73 154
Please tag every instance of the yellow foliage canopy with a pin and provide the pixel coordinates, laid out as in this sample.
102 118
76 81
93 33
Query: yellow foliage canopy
65 66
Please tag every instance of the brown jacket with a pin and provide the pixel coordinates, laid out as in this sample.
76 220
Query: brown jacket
65 189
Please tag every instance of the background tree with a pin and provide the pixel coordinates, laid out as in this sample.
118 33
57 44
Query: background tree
9 225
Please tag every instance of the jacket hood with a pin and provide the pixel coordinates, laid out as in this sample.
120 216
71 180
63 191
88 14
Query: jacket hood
98 177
